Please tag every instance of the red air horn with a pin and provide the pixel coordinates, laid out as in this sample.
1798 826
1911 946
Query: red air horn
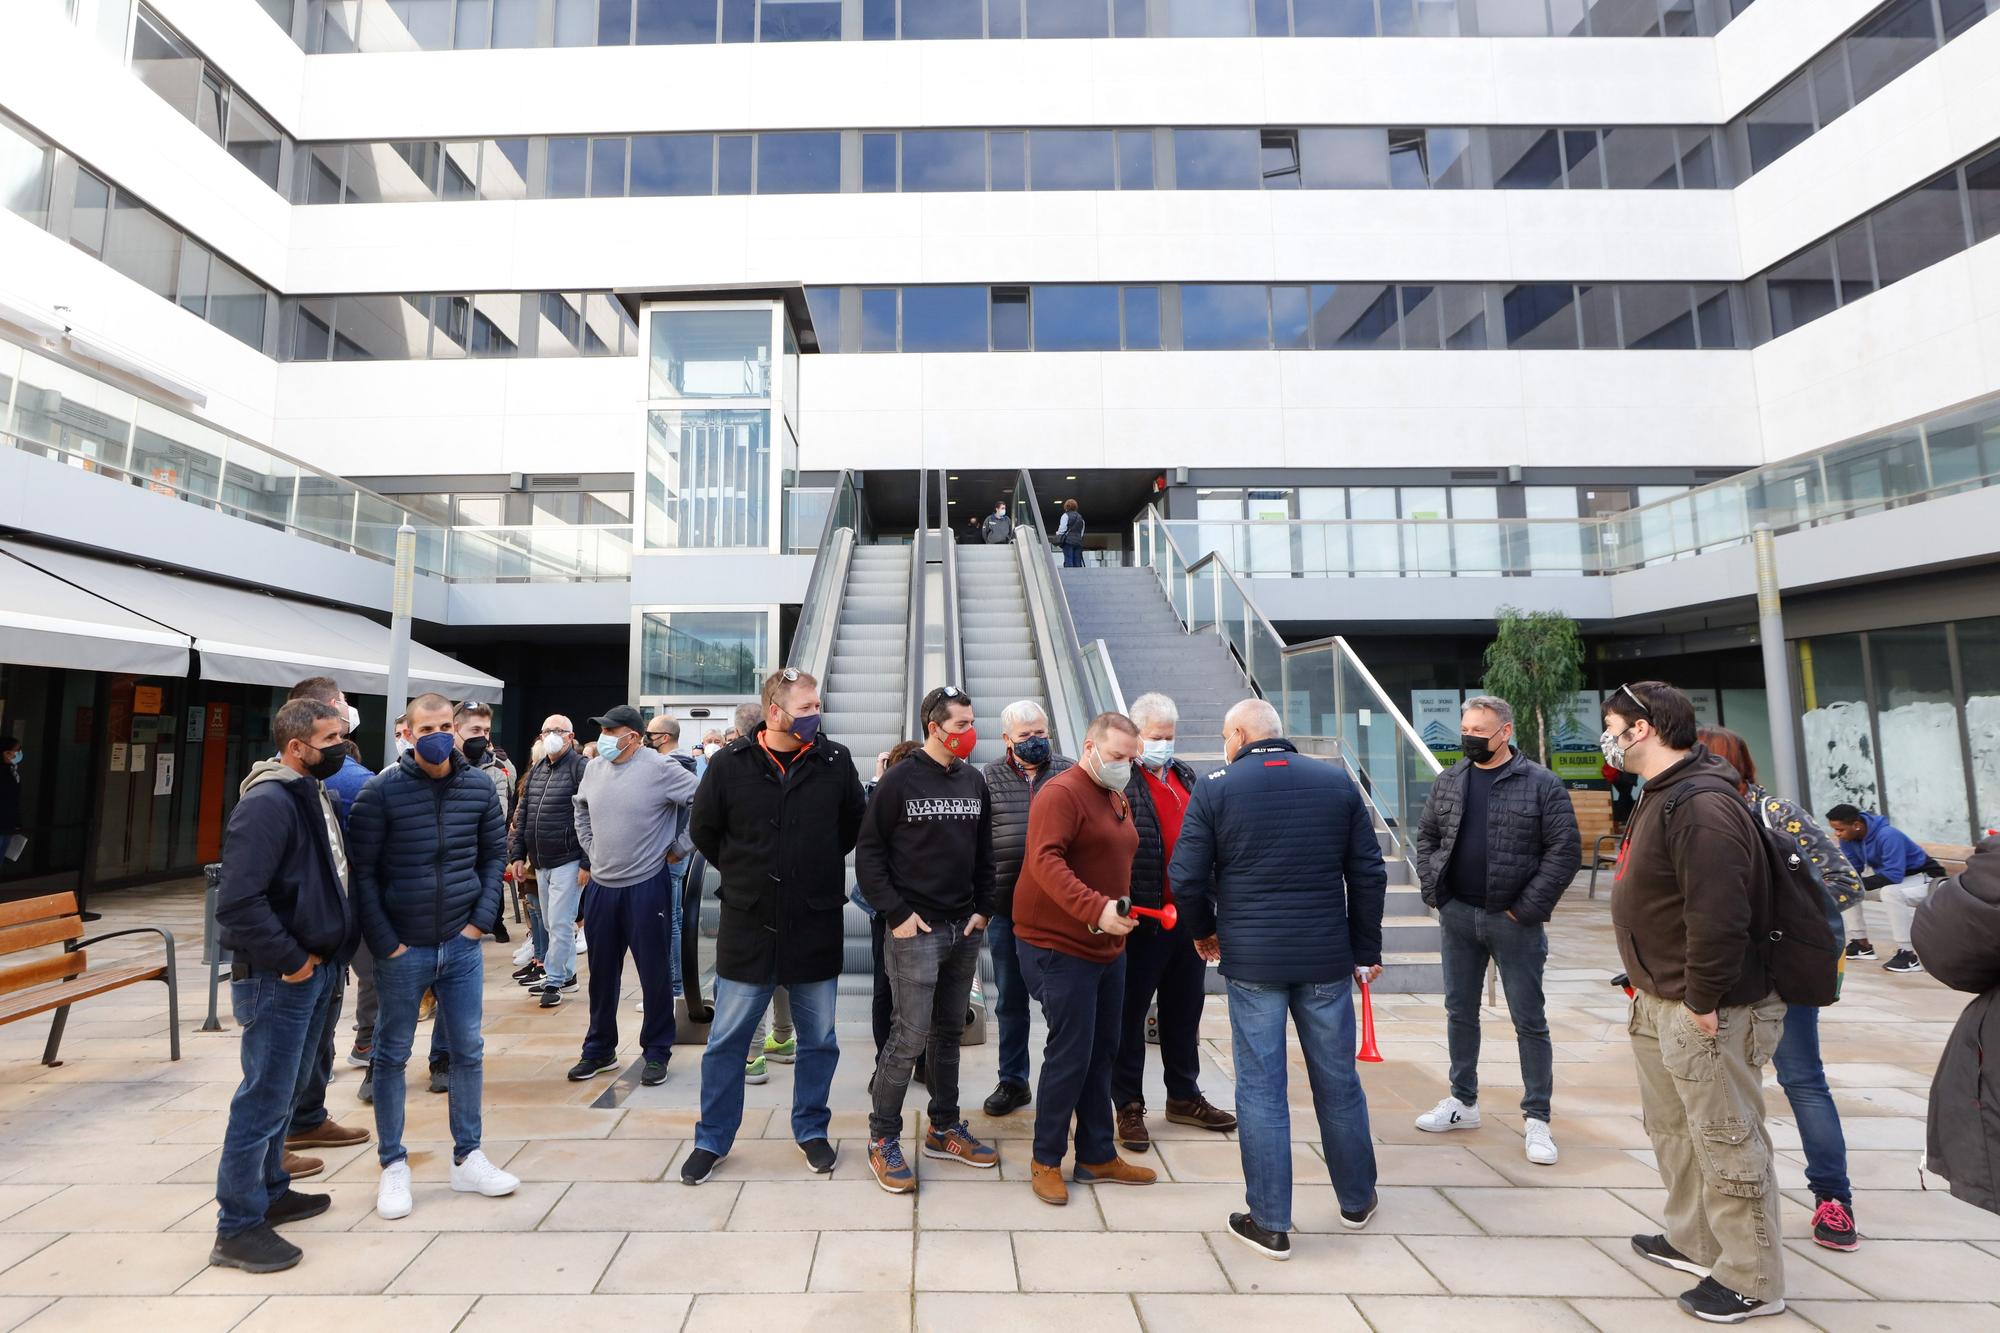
1369 1052
1167 916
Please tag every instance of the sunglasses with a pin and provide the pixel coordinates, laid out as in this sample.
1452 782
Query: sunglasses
1637 702
790 675
1120 806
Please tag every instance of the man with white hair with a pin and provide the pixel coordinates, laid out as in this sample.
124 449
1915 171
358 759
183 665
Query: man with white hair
1158 960
1281 877
1012 782
544 839
1496 847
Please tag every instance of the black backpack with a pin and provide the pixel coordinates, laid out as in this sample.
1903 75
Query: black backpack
1797 944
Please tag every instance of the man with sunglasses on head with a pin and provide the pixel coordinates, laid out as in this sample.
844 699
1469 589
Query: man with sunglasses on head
1691 901
776 815
925 862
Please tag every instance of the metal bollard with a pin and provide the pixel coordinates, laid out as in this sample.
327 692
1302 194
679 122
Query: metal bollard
211 947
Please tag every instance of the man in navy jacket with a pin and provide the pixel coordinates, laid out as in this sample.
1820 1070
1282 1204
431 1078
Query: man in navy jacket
428 847
283 917
1278 870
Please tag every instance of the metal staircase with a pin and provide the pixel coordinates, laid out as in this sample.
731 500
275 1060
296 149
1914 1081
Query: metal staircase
998 650
866 679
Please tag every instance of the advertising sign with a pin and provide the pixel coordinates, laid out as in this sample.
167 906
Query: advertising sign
1573 732
1434 713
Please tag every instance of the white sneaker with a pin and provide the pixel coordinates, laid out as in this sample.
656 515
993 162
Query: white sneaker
477 1175
1541 1144
1449 1114
524 953
392 1196
581 946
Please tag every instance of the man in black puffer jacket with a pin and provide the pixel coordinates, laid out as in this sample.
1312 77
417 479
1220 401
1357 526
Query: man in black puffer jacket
428 846
1957 934
1496 847
1011 783
544 837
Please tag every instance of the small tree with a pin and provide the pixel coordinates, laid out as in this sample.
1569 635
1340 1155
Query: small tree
1535 663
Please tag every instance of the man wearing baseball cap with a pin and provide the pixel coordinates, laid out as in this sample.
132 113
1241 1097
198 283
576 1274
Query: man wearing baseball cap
632 819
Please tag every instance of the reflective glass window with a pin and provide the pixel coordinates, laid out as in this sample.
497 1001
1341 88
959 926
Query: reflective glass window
451 330
1224 315
1354 315
513 23
1462 309
165 63
824 305
1217 159
474 22
878 319
674 22
24 174
1142 318
1135 159
1919 229
576 22
739 20
141 245
1889 42
943 18
708 484
90 203
312 328
798 163
1450 159
1008 150
1209 18
732 163
1407 166
503 169
1067 18
1524 159
704 652
607 168
566 169
190 467
878 20
1010 319
381 328
1291 318
1540 315
1003 18
458 171
1597 303
878 163
1344 159
801 21
1512 18
1982 177
1128 18
1640 157
235 303
944 160
1274 17
496 325
614 22
1569 18
1854 260
1713 317
607 329
1832 95
253 140
711 354
1421 329
1779 123
1082 318
1698 158
1657 315
1800 289
1280 159
1583 168
944 319
559 328
1333 18
211 106
193 282
1073 159
1962 14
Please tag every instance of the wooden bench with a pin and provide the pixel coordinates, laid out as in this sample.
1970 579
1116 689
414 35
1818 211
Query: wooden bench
57 981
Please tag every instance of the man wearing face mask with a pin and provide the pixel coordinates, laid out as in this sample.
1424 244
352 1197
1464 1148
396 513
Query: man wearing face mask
925 862
473 722
429 846
1071 938
1158 960
544 839
998 529
1690 904
782 1045
1496 847
632 819
777 815
1013 782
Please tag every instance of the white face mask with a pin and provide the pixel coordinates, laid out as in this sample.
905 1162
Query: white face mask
402 746
710 749
353 718
553 743
1156 754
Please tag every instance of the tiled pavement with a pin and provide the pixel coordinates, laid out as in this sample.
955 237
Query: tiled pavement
107 1165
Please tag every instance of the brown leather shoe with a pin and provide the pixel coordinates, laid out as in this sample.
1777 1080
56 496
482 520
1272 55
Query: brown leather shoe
298 1168
1048 1184
329 1134
1117 1171
1132 1135
1199 1114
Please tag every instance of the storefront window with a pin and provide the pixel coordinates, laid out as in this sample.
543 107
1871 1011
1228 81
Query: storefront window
703 652
1923 769
1839 742
1979 668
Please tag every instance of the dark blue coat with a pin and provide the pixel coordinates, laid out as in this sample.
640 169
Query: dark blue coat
281 897
345 785
544 833
1278 856
425 854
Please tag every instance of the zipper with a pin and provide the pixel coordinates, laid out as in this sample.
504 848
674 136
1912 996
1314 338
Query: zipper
437 868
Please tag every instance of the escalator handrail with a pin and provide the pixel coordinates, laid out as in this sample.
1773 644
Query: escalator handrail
1044 588
948 612
913 651
819 615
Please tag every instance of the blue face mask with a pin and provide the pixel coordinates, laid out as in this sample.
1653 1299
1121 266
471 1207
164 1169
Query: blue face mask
15 758
1156 754
806 728
436 747
1033 751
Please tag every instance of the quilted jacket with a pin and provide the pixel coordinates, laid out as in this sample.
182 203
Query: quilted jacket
544 832
425 854
1532 849
1007 788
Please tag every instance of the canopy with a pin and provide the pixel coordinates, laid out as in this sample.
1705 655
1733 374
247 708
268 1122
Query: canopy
47 622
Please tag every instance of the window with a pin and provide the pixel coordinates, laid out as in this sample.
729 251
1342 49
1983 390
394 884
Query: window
1982 179
312 328
1597 304
24 174
1891 41
1512 18
211 106
513 24
878 163
607 168
711 354
1540 315
1919 229
1640 158
1916 712
1779 123
193 285
614 22
1462 310
165 63
1135 159
798 163
559 331
1074 159
1333 18
704 652
1525 159
708 478
1217 159
1658 315
567 165
1800 289
235 303
1142 318
1010 319
944 160
1067 18
254 141
381 328
1291 322
1854 258
823 304
1450 159
496 325
1354 315
453 327
474 23
1698 158
143 247
458 171
1209 18
674 22
944 319
1407 167
576 22
86 217
1344 159
1008 151
1832 95
503 169
879 323
1225 315
732 163
801 21
943 18
1583 169
1421 329
1077 319
1280 155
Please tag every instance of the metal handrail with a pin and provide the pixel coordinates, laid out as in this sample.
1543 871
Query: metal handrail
1071 643
949 611
819 614
1099 652
1403 723
1072 695
913 651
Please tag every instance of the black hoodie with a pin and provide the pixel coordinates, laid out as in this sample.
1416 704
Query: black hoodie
927 843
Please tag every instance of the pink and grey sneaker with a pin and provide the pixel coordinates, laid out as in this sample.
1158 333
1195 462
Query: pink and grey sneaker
1833 1226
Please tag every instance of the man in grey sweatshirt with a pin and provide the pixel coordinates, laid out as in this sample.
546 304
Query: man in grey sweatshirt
632 819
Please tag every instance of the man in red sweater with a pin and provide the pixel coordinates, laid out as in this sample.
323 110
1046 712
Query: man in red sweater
1071 941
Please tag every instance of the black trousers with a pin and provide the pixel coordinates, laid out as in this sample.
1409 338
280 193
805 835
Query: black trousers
1162 962
884 1007
631 917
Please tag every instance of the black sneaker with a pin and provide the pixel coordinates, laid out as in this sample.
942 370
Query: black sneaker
440 1078
1008 1098
820 1156
545 985
551 997
530 975
700 1164
1665 1255
1719 1305
1905 960
654 1074
366 1092
296 1207
1833 1225
258 1250
1860 949
1270 1244
586 1069
1354 1221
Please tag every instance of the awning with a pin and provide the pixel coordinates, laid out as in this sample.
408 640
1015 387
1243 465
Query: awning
47 622
259 638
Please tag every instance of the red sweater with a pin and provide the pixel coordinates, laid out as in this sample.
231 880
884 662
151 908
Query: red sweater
1079 854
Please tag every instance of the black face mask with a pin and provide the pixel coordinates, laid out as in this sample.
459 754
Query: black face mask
1478 749
475 748
330 761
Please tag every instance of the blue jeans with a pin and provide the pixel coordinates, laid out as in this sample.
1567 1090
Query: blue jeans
283 1024
560 900
1471 935
1803 1077
1010 1001
1324 1015
1082 1000
538 929
677 873
457 972
739 1007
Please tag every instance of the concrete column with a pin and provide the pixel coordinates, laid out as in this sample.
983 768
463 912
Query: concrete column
1784 780
402 601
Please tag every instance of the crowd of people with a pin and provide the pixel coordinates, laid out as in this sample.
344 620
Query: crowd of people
1103 885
